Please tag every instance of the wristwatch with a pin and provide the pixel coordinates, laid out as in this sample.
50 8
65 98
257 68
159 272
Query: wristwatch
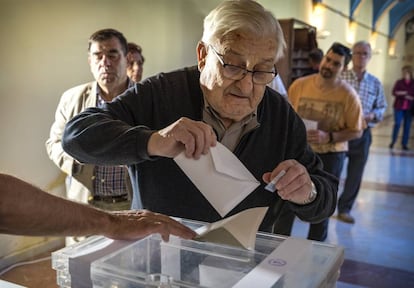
312 195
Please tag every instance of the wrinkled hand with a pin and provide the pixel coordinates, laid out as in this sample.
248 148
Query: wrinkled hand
195 137
131 225
295 186
317 136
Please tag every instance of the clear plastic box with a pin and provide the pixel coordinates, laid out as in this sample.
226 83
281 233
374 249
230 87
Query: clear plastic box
150 262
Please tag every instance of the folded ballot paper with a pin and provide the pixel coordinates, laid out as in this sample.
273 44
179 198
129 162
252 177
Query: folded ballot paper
237 230
310 124
220 177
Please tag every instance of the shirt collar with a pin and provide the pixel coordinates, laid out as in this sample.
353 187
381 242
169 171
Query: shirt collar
99 100
251 117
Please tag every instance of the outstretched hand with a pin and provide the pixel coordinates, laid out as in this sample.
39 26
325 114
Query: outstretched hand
134 224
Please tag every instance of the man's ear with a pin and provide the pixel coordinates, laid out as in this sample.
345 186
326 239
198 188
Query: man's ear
201 55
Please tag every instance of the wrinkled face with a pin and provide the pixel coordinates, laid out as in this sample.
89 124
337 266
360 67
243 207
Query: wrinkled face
332 65
235 99
135 66
360 56
108 62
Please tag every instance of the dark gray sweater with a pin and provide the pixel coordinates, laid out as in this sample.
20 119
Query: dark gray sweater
118 134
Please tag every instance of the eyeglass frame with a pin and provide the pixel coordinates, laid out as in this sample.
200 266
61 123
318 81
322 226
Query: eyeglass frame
244 70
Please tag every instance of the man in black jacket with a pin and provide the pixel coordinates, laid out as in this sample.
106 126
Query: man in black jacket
224 99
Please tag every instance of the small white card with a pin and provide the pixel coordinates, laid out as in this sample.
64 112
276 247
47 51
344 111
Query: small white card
310 124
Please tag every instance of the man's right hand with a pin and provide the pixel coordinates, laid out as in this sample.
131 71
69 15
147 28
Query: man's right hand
131 225
195 137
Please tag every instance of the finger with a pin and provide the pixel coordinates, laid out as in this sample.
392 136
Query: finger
182 133
176 228
288 191
190 135
284 165
174 138
294 171
211 139
204 138
163 231
200 138
267 177
153 225
296 189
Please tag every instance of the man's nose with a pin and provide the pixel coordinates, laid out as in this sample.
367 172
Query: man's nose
246 83
106 60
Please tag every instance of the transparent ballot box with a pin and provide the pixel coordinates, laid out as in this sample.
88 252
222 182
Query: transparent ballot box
276 261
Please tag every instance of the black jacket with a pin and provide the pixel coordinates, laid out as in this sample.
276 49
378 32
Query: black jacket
118 134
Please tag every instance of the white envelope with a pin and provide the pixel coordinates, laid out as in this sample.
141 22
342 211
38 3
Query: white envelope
310 124
220 177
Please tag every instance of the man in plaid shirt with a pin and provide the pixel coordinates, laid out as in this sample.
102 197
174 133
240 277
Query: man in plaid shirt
105 187
371 94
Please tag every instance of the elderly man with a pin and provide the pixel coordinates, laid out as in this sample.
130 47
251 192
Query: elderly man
374 104
224 98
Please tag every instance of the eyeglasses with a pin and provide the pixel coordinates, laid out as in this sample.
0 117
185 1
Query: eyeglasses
234 72
365 54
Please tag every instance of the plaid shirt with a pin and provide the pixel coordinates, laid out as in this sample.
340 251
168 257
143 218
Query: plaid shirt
109 180
371 94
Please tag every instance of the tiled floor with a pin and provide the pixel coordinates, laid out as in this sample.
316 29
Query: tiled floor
379 250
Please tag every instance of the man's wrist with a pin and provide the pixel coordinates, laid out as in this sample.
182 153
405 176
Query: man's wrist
331 137
312 195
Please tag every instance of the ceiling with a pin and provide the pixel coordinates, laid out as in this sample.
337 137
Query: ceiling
399 12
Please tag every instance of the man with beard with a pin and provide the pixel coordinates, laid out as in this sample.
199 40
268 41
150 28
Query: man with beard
335 108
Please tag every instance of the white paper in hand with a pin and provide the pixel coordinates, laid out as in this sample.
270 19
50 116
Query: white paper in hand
310 124
220 177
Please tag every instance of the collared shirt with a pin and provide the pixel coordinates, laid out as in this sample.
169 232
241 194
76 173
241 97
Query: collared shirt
371 94
109 180
231 136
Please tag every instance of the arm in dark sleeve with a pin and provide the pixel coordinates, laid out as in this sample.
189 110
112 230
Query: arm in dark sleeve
380 104
398 90
108 136
326 184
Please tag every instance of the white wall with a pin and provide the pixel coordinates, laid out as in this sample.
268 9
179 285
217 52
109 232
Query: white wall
386 68
43 53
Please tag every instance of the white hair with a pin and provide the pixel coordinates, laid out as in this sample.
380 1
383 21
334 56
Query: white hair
235 16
